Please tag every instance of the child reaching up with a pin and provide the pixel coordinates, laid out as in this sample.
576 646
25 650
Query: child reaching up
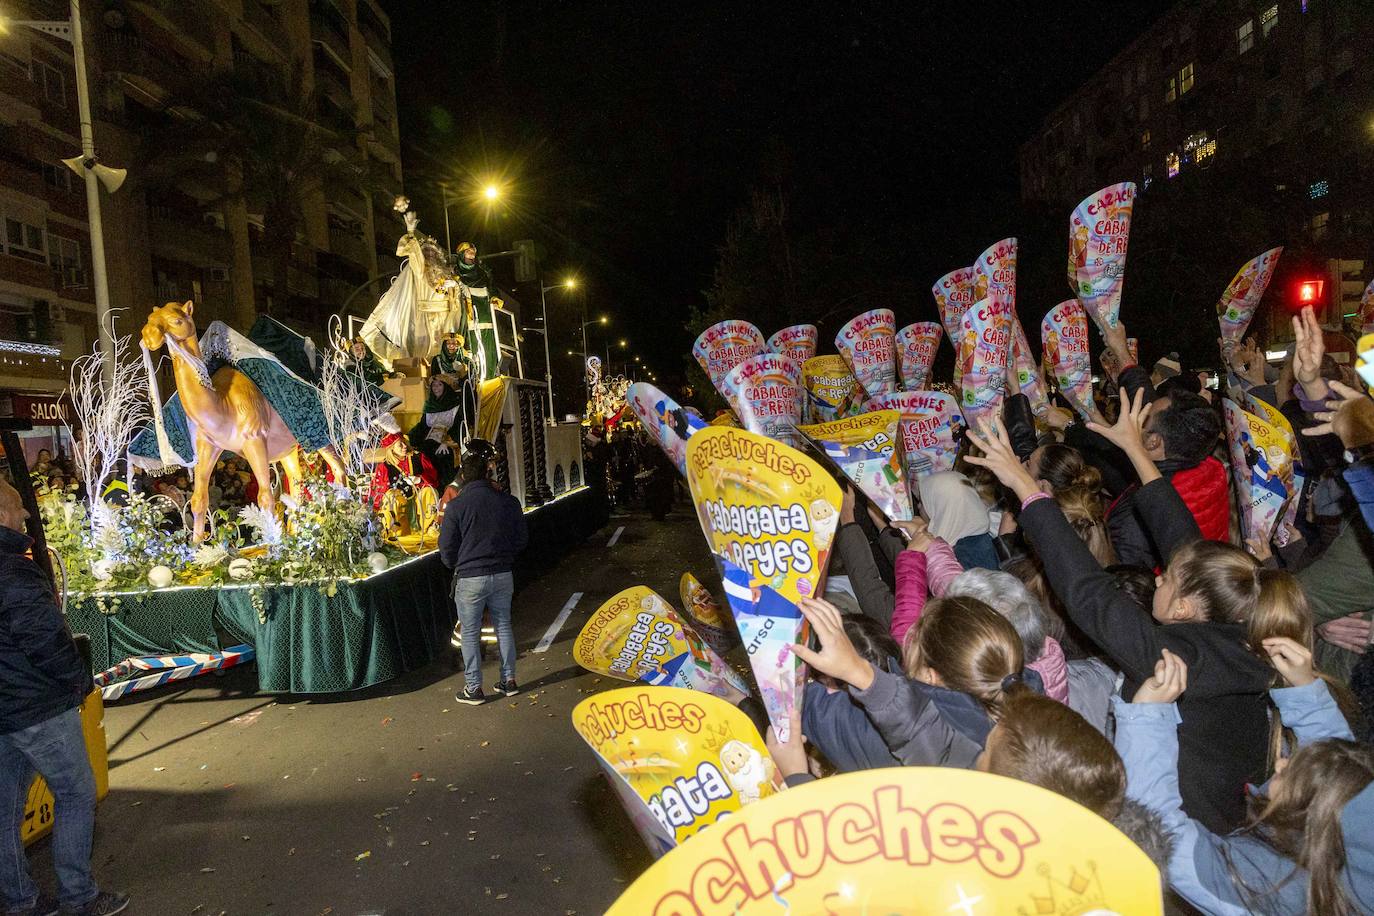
1310 850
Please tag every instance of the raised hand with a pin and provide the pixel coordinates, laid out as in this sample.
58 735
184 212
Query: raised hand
790 756
1168 682
998 457
1127 432
1308 349
1349 414
837 656
1291 659
917 533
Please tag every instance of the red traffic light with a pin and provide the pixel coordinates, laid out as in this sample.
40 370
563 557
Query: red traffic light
1309 292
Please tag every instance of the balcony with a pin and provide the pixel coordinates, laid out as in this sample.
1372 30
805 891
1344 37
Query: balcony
264 23
183 24
253 70
329 28
153 71
332 84
185 236
350 247
376 32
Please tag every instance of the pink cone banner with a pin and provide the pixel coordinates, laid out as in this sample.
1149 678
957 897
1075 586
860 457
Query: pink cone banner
996 276
1099 229
1027 372
795 342
1067 353
931 422
868 344
768 394
1243 295
725 345
953 296
916 346
984 346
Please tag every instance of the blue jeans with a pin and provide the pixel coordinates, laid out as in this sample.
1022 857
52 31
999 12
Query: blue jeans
56 748
473 594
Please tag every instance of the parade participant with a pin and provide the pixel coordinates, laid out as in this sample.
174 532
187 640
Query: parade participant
43 681
476 288
361 361
482 533
444 412
402 468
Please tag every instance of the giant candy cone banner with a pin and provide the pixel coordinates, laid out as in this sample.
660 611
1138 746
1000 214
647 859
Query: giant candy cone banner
768 625
929 429
831 389
904 841
767 394
867 448
725 345
795 342
1262 469
637 636
708 618
996 275
1288 442
1099 230
665 420
984 349
1028 376
953 296
1067 354
916 347
868 344
1243 295
686 758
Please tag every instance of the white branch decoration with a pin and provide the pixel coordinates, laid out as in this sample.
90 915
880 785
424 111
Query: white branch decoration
111 414
349 409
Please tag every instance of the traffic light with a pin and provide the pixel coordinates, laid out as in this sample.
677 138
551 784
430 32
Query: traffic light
526 261
1310 292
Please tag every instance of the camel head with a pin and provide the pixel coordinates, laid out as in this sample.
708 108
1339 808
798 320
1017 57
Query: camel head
174 318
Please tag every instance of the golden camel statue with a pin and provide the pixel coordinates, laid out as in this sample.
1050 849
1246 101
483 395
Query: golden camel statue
228 411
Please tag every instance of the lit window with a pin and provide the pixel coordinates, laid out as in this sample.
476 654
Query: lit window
1269 19
1245 36
25 240
1319 226
1185 79
1205 151
1171 163
1318 189
1145 140
1171 89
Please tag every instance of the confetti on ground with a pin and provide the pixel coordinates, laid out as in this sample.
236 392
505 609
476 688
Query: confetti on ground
485 743
387 721
366 854
207 870
158 769
416 777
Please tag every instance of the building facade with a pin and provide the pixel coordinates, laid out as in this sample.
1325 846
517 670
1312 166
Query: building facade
241 123
1279 96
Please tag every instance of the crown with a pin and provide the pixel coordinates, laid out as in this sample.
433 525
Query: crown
1080 893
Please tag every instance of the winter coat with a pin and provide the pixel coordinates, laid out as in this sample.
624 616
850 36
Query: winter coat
1225 711
870 590
921 574
1204 489
840 729
42 673
483 531
1053 670
1338 583
1210 870
1360 478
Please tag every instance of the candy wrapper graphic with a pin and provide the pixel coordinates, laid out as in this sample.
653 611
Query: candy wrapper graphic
850 844
867 448
668 422
996 276
1261 468
1099 229
984 345
795 342
953 297
916 347
708 619
767 393
637 636
868 344
1067 353
831 389
930 430
688 759
768 626
725 345
764 506
1028 377
1242 297
1283 431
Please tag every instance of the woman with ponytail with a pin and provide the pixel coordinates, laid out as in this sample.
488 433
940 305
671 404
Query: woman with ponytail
963 660
1077 487
1205 602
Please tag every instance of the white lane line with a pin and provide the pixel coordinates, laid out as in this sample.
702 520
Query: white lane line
615 537
558 622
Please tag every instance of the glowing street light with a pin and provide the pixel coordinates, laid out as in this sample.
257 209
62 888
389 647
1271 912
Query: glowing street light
570 283
491 192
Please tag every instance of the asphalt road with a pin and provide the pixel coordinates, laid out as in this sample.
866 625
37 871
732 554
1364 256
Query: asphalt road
395 800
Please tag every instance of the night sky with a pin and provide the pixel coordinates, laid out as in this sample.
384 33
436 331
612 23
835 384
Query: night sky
628 134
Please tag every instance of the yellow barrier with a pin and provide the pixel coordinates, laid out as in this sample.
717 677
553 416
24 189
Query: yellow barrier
38 810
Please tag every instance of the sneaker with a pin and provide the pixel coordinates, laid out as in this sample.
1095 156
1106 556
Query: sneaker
104 904
508 687
43 906
471 697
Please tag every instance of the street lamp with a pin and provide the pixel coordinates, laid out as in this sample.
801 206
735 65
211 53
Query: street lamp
570 283
491 192
586 324
88 166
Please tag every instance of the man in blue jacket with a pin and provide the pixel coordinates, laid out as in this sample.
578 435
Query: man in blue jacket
482 532
42 683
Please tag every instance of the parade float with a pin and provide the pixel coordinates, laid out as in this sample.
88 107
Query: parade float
330 579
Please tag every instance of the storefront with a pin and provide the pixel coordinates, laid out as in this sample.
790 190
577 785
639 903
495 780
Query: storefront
50 415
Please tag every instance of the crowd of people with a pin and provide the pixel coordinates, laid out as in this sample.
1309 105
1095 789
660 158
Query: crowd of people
1076 607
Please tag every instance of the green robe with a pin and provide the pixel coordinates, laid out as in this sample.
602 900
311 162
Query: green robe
481 332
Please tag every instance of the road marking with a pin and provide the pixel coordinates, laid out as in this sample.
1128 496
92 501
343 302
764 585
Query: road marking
615 537
558 622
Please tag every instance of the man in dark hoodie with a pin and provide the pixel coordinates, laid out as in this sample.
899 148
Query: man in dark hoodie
42 683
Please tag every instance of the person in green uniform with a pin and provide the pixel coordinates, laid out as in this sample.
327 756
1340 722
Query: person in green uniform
360 360
445 412
477 289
